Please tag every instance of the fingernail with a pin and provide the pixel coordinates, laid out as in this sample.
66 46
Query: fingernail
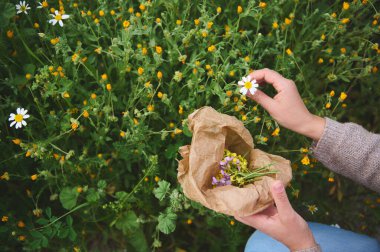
278 187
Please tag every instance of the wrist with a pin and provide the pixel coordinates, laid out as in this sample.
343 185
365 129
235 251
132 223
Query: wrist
313 127
304 245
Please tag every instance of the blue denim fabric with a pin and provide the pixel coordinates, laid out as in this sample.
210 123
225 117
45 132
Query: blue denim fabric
331 239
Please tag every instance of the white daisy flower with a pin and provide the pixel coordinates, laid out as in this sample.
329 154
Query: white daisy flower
22 7
248 85
18 118
57 18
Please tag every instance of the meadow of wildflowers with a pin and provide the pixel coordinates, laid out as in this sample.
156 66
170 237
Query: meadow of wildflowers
94 100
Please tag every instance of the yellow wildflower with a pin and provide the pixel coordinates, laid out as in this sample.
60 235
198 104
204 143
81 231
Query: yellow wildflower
332 93
342 96
126 24
178 22
158 49
93 96
10 34
276 132
209 25
346 6
320 61
159 95
345 20
108 87
275 25
20 224
263 5
101 13
305 160
142 7
196 21
159 75
158 20
5 176
211 48
289 52
16 141
189 222
239 9
140 70
328 105
150 108
34 177
288 21
85 114
219 9
4 218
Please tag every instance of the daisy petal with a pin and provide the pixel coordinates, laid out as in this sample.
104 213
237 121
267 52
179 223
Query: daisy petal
241 83
60 23
26 116
23 122
252 91
65 16
18 110
13 123
56 13
24 112
54 21
243 90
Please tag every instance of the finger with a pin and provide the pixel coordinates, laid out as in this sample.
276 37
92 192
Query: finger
269 76
281 200
258 221
263 99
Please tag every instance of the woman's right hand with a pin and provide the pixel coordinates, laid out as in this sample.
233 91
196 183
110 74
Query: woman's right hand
287 107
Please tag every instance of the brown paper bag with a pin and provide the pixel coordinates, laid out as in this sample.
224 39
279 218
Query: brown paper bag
212 133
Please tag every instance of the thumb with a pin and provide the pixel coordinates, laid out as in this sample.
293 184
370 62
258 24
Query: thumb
283 205
263 99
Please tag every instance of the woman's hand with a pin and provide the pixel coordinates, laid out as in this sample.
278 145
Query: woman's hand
287 107
281 222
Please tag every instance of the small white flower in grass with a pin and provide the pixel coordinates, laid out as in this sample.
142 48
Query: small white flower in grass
247 84
22 7
18 118
57 18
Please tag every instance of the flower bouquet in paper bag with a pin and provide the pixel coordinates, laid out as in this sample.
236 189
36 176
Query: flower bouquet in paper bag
222 170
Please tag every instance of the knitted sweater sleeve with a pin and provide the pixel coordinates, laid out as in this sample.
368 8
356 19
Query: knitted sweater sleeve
350 150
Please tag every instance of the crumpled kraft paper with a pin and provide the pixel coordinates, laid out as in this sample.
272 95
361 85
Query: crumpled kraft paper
212 133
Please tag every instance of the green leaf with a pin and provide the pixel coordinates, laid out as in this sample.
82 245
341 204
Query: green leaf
166 222
102 184
69 221
186 131
92 195
127 222
72 234
162 189
8 10
68 197
138 241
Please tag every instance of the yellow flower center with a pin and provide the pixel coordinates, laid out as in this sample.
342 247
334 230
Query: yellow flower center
18 118
23 8
248 85
58 17
45 4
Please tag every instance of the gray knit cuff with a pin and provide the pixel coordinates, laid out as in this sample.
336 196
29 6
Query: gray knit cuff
316 248
323 150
